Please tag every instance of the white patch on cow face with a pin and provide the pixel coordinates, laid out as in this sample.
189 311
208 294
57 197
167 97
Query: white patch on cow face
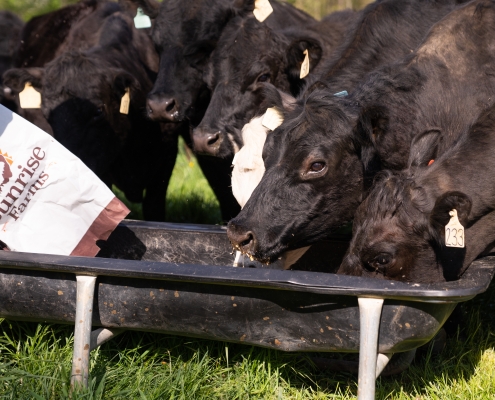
248 162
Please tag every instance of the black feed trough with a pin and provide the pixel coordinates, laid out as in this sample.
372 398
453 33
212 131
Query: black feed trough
179 279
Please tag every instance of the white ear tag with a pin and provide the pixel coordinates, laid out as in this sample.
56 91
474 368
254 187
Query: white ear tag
124 102
454 231
305 65
272 119
141 20
30 97
262 9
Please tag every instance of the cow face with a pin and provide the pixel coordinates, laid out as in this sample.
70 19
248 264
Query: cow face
395 238
184 34
389 234
313 180
248 56
399 228
81 98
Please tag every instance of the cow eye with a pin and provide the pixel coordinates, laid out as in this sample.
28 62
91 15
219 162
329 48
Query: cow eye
379 262
264 78
317 166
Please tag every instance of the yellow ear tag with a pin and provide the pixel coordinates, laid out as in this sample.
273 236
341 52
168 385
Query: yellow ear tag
262 9
30 97
124 103
454 231
141 20
272 119
305 65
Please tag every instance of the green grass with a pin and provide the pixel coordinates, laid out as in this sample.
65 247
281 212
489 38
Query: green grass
27 9
189 197
35 359
35 363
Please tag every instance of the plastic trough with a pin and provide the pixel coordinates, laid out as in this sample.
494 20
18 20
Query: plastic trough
178 279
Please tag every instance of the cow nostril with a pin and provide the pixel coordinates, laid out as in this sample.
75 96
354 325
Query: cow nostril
170 106
212 139
247 241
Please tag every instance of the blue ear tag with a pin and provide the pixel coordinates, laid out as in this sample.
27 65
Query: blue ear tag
141 20
341 94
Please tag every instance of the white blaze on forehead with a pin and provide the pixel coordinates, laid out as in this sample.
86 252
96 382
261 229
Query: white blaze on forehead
249 168
248 162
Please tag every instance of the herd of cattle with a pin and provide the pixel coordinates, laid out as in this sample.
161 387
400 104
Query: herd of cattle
407 142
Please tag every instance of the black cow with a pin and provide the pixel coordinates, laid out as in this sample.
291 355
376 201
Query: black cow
321 160
44 37
10 32
81 99
185 33
248 55
384 31
399 229
387 31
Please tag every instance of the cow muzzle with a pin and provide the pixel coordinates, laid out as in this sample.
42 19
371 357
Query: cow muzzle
242 239
160 108
207 142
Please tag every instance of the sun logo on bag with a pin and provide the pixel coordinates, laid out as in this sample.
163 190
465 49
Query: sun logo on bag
5 173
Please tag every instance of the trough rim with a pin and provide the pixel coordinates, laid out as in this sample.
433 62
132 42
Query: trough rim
475 281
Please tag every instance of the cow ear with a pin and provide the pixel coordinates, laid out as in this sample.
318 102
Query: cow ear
122 81
150 7
244 7
371 125
115 32
273 97
16 78
439 216
295 55
424 148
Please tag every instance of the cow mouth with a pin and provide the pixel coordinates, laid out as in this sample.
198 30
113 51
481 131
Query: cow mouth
174 118
254 256
268 258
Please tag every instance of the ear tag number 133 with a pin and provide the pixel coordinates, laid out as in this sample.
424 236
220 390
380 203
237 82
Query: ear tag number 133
454 231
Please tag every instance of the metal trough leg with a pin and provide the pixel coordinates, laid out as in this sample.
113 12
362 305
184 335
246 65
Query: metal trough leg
103 335
369 319
381 362
82 330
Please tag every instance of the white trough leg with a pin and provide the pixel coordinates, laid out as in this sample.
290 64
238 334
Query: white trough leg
369 319
82 330
103 335
381 362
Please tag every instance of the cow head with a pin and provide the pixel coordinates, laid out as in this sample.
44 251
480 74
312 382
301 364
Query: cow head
81 99
185 33
314 180
249 55
399 229
82 92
